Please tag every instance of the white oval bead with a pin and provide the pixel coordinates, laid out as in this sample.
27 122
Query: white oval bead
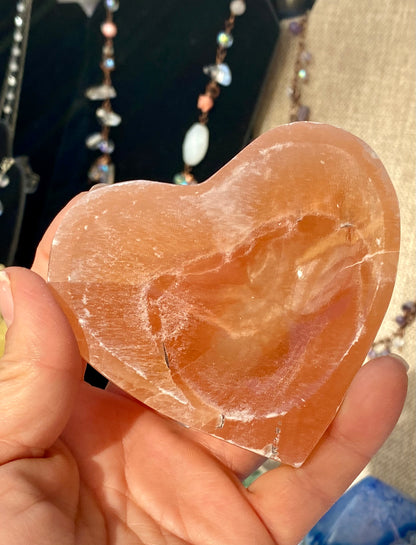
237 7
195 144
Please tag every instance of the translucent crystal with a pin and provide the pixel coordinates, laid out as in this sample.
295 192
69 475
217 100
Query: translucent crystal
94 140
102 173
108 117
237 7
17 36
195 144
4 180
109 63
226 291
224 39
221 73
100 92
106 146
112 5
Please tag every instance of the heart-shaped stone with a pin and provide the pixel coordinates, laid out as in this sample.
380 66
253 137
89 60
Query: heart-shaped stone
242 306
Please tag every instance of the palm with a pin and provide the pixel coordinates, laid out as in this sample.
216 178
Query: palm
82 466
126 475
152 480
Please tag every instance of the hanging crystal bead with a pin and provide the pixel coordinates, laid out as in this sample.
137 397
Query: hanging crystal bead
303 74
4 181
184 178
237 7
195 144
109 63
106 146
108 49
97 141
16 51
102 172
100 92
221 73
94 140
108 118
112 5
224 39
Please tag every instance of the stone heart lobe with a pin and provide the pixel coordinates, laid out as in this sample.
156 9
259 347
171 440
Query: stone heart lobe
242 306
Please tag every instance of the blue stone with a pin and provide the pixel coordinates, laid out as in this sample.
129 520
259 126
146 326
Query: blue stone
369 513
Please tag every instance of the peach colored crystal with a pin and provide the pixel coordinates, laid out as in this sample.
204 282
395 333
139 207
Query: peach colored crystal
242 306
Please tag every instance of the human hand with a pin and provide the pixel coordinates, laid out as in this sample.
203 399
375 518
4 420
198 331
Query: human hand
80 465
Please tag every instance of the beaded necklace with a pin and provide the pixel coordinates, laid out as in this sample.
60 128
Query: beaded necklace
300 112
196 141
17 168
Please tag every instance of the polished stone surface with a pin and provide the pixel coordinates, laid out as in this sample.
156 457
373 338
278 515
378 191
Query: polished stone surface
242 306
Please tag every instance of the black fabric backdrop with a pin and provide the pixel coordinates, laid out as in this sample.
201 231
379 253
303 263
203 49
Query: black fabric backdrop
160 50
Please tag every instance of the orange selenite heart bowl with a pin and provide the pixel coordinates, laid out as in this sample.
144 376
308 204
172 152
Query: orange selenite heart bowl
242 306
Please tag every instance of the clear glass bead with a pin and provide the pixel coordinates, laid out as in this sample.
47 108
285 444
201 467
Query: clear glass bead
13 66
103 173
4 181
398 342
112 5
21 7
100 92
94 140
221 73
97 141
108 117
18 21
16 51
7 109
106 146
17 36
11 80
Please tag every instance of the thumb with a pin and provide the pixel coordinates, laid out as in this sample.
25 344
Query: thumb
40 370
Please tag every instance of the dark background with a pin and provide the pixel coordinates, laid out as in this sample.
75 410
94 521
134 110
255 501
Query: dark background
160 50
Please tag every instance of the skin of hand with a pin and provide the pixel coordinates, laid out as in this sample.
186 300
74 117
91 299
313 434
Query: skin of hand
84 466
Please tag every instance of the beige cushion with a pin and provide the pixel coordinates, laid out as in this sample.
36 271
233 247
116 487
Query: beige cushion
362 78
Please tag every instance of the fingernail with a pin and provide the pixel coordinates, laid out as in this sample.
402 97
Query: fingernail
6 298
401 360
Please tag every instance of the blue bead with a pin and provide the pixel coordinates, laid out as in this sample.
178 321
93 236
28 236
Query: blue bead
109 63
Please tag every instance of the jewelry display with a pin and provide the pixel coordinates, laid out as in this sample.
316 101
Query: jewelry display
103 170
298 110
17 167
196 141
10 94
